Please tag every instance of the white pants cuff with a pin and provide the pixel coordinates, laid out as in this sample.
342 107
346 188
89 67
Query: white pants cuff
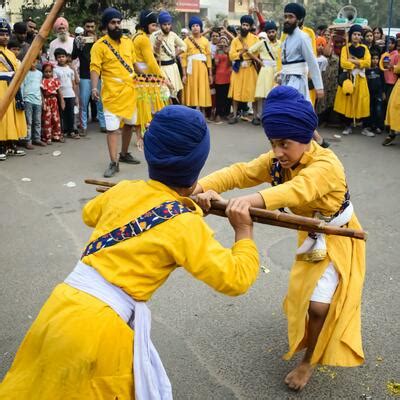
326 286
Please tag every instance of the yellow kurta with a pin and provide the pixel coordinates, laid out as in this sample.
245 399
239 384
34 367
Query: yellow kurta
318 183
196 90
78 347
243 83
393 109
151 97
13 124
266 76
357 104
118 92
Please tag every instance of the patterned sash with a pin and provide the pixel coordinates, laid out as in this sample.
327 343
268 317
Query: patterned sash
148 220
120 59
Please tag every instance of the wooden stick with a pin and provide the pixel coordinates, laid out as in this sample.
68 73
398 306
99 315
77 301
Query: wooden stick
275 218
30 57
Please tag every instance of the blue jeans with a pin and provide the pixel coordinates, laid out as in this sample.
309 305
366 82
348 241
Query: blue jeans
33 114
85 91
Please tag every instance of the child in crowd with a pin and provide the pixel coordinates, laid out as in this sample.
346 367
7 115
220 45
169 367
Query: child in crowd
53 100
376 94
321 59
14 46
388 62
32 95
223 72
66 76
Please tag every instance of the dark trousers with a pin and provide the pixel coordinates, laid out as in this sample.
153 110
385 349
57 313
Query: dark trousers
67 115
376 115
223 103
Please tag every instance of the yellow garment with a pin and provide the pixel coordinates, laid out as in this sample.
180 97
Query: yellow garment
243 83
393 109
266 76
196 90
13 124
118 92
318 183
78 347
357 104
151 96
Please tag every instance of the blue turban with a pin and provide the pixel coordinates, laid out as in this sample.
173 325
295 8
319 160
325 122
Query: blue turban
195 20
5 26
176 146
288 115
109 14
355 28
164 18
247 19
147 17
297 9
269 25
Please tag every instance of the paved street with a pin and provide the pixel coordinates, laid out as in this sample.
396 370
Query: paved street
213 347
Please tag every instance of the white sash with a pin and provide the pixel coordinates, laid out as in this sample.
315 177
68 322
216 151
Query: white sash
197 57
269 63
300 68
151 380
358 71
314 250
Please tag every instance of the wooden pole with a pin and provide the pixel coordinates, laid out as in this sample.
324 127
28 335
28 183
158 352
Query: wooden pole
30 57
275 218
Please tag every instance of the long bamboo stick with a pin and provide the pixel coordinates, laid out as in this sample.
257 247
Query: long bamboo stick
30 57
275 218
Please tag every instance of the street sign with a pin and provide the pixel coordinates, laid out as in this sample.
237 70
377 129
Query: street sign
187 6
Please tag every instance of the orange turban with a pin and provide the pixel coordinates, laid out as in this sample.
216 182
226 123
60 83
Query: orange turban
321 40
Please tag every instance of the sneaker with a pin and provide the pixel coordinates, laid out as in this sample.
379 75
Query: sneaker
83 133
112 169
233 120
256 121
15 152
128 158
347 131
389 139
378 131
367 132
3 156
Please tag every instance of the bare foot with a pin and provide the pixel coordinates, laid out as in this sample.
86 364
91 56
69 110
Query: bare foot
139 144
299 377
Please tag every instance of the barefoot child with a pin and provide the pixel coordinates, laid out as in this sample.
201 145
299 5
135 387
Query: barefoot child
324 296
82 344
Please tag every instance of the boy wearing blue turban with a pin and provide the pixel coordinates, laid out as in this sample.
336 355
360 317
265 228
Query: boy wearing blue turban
196 65
244 75
326 280
91 339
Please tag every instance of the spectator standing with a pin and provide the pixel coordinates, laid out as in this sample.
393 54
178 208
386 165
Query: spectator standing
31 92
15 46
66 76
63 40
20 34
379 38
81 50
387 63
30 30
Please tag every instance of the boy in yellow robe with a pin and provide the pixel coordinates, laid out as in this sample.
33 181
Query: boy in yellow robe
13 124
324 298
196 64
354 59
244 74
91 340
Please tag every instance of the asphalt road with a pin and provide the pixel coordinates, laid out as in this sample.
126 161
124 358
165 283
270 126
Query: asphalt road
213 347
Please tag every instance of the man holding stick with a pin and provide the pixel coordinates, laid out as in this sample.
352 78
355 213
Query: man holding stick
113 57
324 296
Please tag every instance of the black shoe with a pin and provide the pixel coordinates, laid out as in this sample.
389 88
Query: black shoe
256 121
233 120
389 139
112 169
103 130
128 158
325 144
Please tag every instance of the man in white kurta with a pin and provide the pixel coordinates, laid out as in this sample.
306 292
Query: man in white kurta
167 46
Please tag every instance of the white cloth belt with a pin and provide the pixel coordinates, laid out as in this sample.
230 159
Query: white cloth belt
246 64
300 68
315 249
358 71
142 65
151 380
197 57
9 74
269 63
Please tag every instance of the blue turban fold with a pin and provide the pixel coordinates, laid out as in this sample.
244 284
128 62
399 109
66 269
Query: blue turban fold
295 8
164 18
109 14
195 20
288 115
270 25
176 146
5 26
247 19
